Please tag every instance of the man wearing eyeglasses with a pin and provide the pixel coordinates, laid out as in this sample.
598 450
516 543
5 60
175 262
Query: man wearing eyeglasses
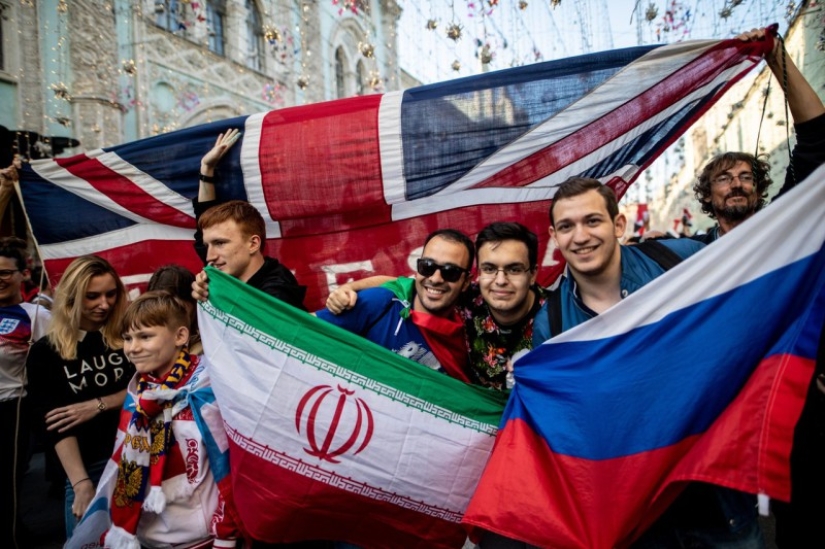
416 318
734 185
731 188
499 311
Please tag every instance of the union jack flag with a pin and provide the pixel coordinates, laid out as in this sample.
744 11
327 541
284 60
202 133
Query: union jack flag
350 187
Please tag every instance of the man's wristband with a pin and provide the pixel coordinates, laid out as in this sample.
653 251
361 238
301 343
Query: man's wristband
208 179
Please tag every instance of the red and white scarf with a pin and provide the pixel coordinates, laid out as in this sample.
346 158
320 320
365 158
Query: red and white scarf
143 484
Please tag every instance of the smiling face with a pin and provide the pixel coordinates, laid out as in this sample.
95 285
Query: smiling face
586 235
98 300
154 349
730 197
231 251
10 287
433 294
507 295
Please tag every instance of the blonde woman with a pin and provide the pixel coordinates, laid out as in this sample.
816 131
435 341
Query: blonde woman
78 376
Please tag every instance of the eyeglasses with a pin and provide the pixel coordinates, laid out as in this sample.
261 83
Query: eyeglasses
727 179
7 273
491 271
450 273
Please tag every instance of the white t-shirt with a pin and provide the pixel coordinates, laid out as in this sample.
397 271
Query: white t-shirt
19 324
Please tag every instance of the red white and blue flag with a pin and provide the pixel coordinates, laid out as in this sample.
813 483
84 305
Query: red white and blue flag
700 375
353 185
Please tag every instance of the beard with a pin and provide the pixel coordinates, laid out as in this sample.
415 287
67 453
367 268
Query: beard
738 212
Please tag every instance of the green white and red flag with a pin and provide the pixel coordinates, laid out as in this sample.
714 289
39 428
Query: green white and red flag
333 437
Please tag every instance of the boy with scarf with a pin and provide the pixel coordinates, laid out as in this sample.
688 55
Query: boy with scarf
165 494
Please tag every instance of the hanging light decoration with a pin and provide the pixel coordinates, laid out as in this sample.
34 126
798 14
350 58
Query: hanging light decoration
454 32
432 24
651 13
366 49
485 55
374 81
61 91
128 66
522 5
456 66
272 35
303 82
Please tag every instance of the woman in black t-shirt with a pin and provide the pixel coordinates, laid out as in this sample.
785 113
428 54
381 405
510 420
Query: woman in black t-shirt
78 376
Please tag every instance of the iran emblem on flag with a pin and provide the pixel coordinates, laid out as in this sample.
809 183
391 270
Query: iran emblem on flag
333 437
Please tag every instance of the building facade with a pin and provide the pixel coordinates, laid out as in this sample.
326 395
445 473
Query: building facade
103 72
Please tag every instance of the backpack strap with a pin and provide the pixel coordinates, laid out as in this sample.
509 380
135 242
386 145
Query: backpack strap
655 250
553 303
661 254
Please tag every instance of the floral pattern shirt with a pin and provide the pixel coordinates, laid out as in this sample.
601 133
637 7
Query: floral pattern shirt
490 345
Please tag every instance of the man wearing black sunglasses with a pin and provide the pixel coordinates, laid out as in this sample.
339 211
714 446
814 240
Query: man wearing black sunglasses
417 318
498 311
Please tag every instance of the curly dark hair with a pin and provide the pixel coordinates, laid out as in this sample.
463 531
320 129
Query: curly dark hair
725 161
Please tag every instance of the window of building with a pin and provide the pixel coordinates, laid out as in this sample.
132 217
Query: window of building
254 37
4 14
214 26
361 75
168 15
340 78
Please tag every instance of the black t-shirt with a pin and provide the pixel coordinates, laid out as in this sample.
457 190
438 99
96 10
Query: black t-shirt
96 372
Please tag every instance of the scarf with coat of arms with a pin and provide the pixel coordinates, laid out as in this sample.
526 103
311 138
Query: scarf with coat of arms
142 463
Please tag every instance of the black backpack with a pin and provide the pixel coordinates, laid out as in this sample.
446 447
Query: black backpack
655 250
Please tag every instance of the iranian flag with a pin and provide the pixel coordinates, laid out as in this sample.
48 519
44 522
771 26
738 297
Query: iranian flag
333 437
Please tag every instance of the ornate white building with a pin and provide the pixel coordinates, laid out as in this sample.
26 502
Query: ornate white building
105 72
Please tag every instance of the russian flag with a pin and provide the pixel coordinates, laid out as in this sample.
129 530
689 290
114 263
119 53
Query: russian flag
699 376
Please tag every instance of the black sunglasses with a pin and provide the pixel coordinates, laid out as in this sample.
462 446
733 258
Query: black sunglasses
450 273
